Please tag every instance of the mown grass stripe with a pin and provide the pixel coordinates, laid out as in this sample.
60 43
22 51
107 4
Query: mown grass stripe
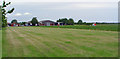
56 42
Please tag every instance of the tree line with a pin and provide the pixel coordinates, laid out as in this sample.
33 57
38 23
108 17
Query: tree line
33 21
69 21
65 21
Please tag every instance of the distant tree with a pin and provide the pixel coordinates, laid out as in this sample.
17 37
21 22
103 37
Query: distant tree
89 23
80 22
64 20
71 21
34 21
14 21
4 13
59 20
84 23
23 23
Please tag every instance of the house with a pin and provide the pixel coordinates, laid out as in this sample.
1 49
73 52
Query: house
46 23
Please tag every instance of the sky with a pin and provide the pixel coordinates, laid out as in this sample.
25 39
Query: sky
86 10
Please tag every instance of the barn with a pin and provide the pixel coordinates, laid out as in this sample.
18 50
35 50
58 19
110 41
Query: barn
47 23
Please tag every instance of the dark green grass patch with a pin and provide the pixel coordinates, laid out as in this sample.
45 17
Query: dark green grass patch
105 27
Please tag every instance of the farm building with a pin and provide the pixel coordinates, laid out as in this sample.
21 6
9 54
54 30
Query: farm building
13 24
49 23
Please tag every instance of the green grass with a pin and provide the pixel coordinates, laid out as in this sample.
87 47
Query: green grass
0 43
105 27
59 42
0 33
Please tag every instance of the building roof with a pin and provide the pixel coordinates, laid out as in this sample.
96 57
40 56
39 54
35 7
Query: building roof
47 21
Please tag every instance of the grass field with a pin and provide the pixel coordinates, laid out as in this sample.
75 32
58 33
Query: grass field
105 27
0 33
0 43
58 42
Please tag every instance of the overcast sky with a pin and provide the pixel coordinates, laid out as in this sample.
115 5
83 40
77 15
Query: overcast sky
87 10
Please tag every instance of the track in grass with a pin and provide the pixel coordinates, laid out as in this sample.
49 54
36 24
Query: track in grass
58 42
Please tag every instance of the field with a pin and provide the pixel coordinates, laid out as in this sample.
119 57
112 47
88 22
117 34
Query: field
0 43
58 42
105 27
0 33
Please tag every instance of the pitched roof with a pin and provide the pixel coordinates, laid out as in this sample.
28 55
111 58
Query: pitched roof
47 21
